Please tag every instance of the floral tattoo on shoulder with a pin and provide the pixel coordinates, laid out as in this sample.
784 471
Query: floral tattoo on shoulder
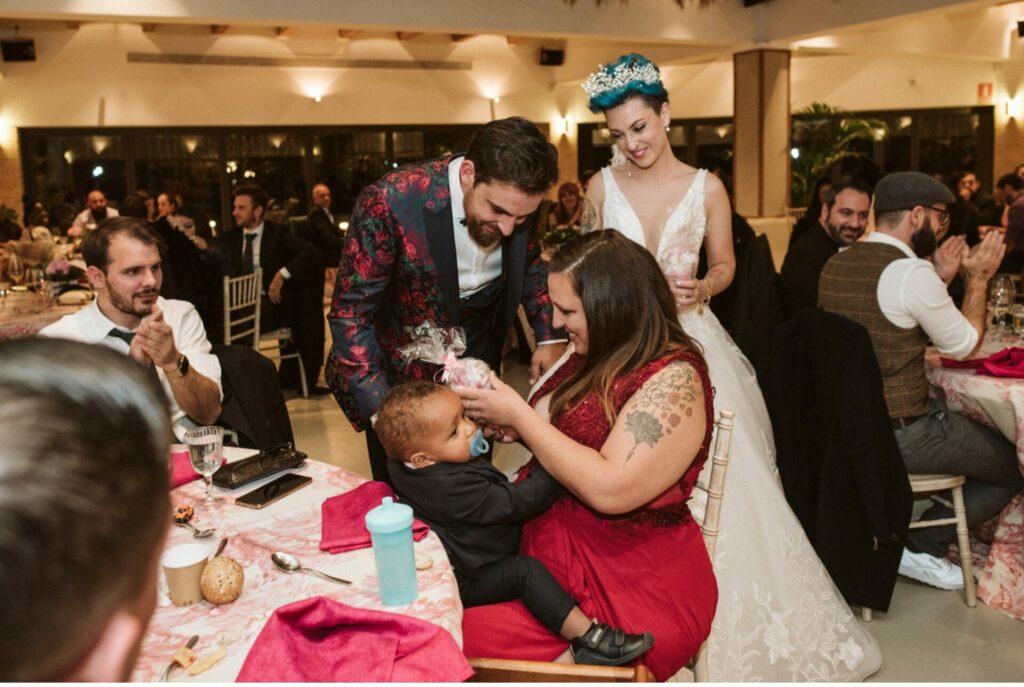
661 405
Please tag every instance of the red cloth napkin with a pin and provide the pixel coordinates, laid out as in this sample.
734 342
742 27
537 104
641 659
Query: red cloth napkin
321 640
181 468
344 518
1005 363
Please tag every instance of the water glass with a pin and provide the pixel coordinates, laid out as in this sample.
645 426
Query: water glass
5 288
205 449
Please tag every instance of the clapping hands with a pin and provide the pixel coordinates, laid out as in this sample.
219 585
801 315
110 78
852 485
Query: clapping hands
154 342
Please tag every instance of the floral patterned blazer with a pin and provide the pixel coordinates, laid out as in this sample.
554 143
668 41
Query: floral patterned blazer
398 270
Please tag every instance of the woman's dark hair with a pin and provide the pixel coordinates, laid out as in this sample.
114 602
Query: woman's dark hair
513 151
630 311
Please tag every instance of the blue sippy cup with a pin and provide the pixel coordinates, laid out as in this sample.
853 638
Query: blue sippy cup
390 526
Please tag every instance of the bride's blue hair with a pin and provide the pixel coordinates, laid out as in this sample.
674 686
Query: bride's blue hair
616 82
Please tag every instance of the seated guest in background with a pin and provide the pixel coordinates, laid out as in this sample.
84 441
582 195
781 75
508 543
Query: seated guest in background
292 281
810 220
320 228
980 205
841 221
38 225
166 337
887 284
569 208
95 212
438 467
84 504
1012 188
624 424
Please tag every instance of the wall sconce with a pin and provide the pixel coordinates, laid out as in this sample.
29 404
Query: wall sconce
561 126
1013 108
318 98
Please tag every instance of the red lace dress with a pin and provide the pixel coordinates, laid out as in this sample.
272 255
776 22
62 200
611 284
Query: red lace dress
644 571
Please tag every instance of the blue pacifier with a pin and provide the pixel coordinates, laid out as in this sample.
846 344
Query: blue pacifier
478 446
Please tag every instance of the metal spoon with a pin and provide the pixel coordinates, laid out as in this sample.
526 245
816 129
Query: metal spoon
167 673
196 532
290 564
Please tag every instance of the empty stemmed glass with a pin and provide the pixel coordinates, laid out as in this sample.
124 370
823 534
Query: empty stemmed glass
205 448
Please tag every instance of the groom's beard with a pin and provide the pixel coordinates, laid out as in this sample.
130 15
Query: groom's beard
484 234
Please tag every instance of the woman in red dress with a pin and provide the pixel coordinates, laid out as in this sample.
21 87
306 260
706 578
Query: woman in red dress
630 422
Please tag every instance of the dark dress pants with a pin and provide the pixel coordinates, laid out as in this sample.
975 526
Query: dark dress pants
519 577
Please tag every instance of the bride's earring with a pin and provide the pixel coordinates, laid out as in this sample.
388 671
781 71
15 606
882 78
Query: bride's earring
667 128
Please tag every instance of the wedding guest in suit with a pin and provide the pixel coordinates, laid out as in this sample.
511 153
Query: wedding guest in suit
164 336
84 502
449 240
321 230
292 281
841 222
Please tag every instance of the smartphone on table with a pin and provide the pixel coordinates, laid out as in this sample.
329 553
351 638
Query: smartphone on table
273 491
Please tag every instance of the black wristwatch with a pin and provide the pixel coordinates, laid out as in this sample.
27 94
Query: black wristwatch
182 368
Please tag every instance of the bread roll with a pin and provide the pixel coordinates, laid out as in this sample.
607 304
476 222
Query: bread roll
222 580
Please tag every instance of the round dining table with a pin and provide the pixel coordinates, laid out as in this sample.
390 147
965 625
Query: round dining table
997 402
292 525
25 313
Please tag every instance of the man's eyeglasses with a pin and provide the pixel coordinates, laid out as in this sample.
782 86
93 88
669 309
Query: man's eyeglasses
943 215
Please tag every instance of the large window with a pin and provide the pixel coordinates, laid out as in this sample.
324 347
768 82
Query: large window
202 165
940 142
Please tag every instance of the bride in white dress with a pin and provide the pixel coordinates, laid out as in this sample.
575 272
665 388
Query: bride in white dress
779 618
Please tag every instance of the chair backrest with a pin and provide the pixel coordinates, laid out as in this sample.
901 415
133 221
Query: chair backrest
242 309
716 484
794 215
507 670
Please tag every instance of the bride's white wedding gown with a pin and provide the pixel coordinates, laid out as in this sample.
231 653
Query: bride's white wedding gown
779 618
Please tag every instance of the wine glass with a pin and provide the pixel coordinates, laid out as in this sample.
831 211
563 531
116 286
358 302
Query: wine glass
5 288
205 448
1017 311
1001 296
15 269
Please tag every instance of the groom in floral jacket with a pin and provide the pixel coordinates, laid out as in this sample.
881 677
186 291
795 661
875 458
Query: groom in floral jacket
450 241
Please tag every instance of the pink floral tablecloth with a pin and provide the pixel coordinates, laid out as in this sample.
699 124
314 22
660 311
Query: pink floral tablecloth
292 525
998 550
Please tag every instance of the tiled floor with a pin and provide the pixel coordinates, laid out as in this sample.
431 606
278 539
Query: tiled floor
928 635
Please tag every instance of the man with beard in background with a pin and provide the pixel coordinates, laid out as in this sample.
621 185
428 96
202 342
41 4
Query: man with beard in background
887 284
95 212
165 337
843 219
449 241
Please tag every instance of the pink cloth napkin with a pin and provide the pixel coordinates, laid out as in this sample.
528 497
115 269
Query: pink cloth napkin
321 640
1006 363
181 468
344 523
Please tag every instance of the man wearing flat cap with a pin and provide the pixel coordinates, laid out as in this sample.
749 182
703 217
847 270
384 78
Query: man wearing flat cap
893 283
